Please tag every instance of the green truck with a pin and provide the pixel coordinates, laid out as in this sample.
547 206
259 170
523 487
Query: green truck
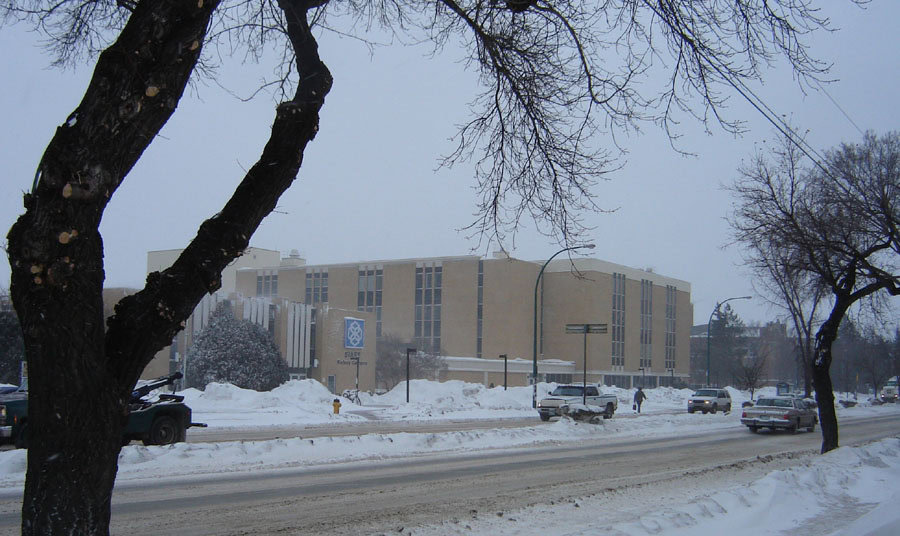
161 421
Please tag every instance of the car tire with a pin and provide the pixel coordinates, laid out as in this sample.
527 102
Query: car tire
753 429
792 429
609 411
690 410
545 417
714 409
728 408
163 431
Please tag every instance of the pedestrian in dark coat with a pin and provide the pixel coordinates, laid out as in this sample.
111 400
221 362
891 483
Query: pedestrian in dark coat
639 398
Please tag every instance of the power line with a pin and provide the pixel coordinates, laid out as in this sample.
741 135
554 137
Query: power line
838 106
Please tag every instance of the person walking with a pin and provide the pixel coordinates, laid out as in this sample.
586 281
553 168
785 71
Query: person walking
639 398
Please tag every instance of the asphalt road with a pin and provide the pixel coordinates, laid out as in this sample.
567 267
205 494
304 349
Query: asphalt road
382 497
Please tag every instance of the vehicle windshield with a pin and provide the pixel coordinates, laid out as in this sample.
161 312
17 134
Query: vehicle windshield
567 390
891 383
775 402
705 392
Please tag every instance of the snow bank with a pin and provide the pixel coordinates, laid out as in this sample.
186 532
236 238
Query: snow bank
847 492
296 402
827 494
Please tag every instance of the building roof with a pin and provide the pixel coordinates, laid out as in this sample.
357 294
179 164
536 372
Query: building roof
557 265
606 267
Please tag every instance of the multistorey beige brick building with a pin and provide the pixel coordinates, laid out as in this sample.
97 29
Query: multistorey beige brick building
473 311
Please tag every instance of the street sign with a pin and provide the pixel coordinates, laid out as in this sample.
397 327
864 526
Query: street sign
585 328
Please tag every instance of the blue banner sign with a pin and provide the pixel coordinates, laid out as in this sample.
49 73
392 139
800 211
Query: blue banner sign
354 332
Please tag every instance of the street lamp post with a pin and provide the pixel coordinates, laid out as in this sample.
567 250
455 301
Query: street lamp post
408 351
537 282
585 328
504 370
719 304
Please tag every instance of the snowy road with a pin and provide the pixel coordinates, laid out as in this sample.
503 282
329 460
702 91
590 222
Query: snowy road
383 496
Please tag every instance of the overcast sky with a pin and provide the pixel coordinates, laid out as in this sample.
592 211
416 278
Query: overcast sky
368 188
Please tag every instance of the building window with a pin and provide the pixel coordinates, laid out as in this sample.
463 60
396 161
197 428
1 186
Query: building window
369 288
312 337
266 284
670 326
558 378
480 317
646 323
618 320
316 287
428 307
614 380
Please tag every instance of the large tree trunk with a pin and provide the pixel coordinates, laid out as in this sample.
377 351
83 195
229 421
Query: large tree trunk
81 376
821 373
77 402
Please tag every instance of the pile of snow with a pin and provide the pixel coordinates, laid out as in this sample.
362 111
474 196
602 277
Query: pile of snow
223 405
848 491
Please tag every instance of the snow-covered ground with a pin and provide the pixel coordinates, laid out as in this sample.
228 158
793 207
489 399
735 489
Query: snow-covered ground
856 479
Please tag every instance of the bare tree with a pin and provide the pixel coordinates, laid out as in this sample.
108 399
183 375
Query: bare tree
836 221
558 79
873 360
390 366
792 290
750 370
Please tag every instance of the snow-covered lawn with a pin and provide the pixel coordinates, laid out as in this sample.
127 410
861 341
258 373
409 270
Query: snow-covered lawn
856 478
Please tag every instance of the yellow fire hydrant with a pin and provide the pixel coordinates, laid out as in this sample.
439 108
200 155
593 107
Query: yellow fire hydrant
337 406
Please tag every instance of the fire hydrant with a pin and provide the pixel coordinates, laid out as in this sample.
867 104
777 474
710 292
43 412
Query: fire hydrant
337 406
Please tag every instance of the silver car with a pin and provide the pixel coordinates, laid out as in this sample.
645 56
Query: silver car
709 401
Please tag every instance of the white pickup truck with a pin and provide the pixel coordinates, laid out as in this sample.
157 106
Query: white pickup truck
889 391
558 401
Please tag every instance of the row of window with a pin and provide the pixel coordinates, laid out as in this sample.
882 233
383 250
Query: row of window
617 333
646 323
316 287
267 285
480 308
428 307
369 288
671 296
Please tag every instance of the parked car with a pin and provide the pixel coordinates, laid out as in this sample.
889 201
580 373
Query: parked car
780 412
160 421
557 402
709 401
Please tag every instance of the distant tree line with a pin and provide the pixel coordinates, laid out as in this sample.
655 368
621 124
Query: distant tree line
864 358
